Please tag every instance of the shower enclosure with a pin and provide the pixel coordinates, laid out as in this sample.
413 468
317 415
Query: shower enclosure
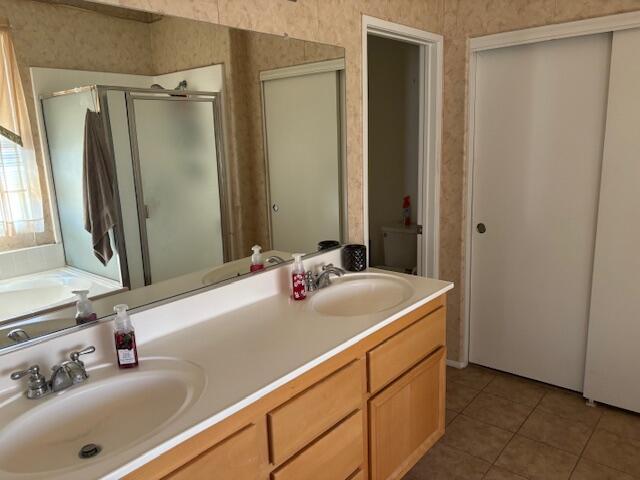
167 149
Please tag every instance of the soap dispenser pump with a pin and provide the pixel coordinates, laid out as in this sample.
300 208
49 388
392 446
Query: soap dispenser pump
125 338
256 259
298 291
84 309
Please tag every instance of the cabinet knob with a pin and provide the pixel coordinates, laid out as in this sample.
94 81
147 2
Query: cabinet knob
481 228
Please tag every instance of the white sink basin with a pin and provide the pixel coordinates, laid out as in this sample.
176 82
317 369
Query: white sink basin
361 294
114 409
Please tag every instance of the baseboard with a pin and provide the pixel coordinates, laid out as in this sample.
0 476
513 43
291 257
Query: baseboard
456 364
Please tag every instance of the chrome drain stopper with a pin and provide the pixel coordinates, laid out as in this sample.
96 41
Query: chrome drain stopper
89 450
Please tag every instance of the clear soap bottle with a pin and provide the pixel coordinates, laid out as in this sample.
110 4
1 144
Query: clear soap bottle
84 309
125 338
256 259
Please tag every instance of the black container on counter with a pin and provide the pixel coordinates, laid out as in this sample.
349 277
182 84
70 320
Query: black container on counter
354 257
327 244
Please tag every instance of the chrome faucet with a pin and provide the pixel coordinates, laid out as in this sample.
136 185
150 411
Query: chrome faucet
324 279
71 372
275 259
65 375
37 386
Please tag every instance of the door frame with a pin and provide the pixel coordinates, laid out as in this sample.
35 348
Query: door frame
430 128
610 23
338 66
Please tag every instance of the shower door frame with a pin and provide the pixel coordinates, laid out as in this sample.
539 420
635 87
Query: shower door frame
132 94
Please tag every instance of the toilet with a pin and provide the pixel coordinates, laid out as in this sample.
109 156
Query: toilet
400 248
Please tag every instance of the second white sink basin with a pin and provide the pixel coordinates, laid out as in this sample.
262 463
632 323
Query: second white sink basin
361 294
113 410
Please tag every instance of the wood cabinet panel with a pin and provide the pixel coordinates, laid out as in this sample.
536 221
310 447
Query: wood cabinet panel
314 411
406 348
407 418
240 457
336 455
359 475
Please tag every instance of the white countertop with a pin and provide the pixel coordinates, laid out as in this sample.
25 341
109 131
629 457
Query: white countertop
245 354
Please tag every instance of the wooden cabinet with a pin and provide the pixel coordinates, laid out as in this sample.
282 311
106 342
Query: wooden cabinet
407 418
239 457
308 415
369 412
335 456
403 350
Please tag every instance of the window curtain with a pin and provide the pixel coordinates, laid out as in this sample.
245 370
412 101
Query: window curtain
21 210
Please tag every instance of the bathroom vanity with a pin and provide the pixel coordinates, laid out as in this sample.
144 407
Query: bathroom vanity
370 411
241 382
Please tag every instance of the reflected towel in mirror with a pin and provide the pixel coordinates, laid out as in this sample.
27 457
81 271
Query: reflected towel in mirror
97 187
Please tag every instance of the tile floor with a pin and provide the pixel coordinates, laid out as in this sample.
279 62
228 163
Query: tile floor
504 427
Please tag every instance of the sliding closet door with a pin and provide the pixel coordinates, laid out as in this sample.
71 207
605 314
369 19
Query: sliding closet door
613 353
539 126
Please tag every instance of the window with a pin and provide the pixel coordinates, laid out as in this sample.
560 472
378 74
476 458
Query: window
20 200
21 210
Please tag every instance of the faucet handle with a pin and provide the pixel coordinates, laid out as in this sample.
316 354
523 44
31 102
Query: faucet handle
37 385
75 355
328 265
33 370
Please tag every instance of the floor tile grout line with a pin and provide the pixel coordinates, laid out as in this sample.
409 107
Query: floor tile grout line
537 407
516 433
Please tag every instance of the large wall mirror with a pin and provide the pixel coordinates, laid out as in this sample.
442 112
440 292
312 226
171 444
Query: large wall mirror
143 156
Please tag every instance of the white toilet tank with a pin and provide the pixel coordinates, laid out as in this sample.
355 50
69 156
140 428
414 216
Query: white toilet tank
400 247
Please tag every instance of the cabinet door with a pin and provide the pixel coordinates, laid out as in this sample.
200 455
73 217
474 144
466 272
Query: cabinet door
240 457
407 418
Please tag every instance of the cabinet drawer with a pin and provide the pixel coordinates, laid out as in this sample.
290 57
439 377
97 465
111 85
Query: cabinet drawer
314 411
240 457
406 348
336 455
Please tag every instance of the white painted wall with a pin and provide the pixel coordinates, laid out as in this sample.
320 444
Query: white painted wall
393 82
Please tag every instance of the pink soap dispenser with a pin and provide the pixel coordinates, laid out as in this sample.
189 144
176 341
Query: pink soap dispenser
125 338
297 278
256 259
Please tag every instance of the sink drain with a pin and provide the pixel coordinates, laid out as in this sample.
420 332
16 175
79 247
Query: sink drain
90 450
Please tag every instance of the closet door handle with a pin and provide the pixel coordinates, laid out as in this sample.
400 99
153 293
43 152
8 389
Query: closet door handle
481 228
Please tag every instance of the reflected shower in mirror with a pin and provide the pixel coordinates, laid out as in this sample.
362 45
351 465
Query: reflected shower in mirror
143 156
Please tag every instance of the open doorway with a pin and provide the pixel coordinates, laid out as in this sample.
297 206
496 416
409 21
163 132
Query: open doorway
402 105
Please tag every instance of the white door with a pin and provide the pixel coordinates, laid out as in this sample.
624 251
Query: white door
302 127
613 355
539 126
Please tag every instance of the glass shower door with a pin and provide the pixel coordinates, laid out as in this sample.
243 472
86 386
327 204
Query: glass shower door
177 184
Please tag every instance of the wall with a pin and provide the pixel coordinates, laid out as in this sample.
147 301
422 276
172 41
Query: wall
394 77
